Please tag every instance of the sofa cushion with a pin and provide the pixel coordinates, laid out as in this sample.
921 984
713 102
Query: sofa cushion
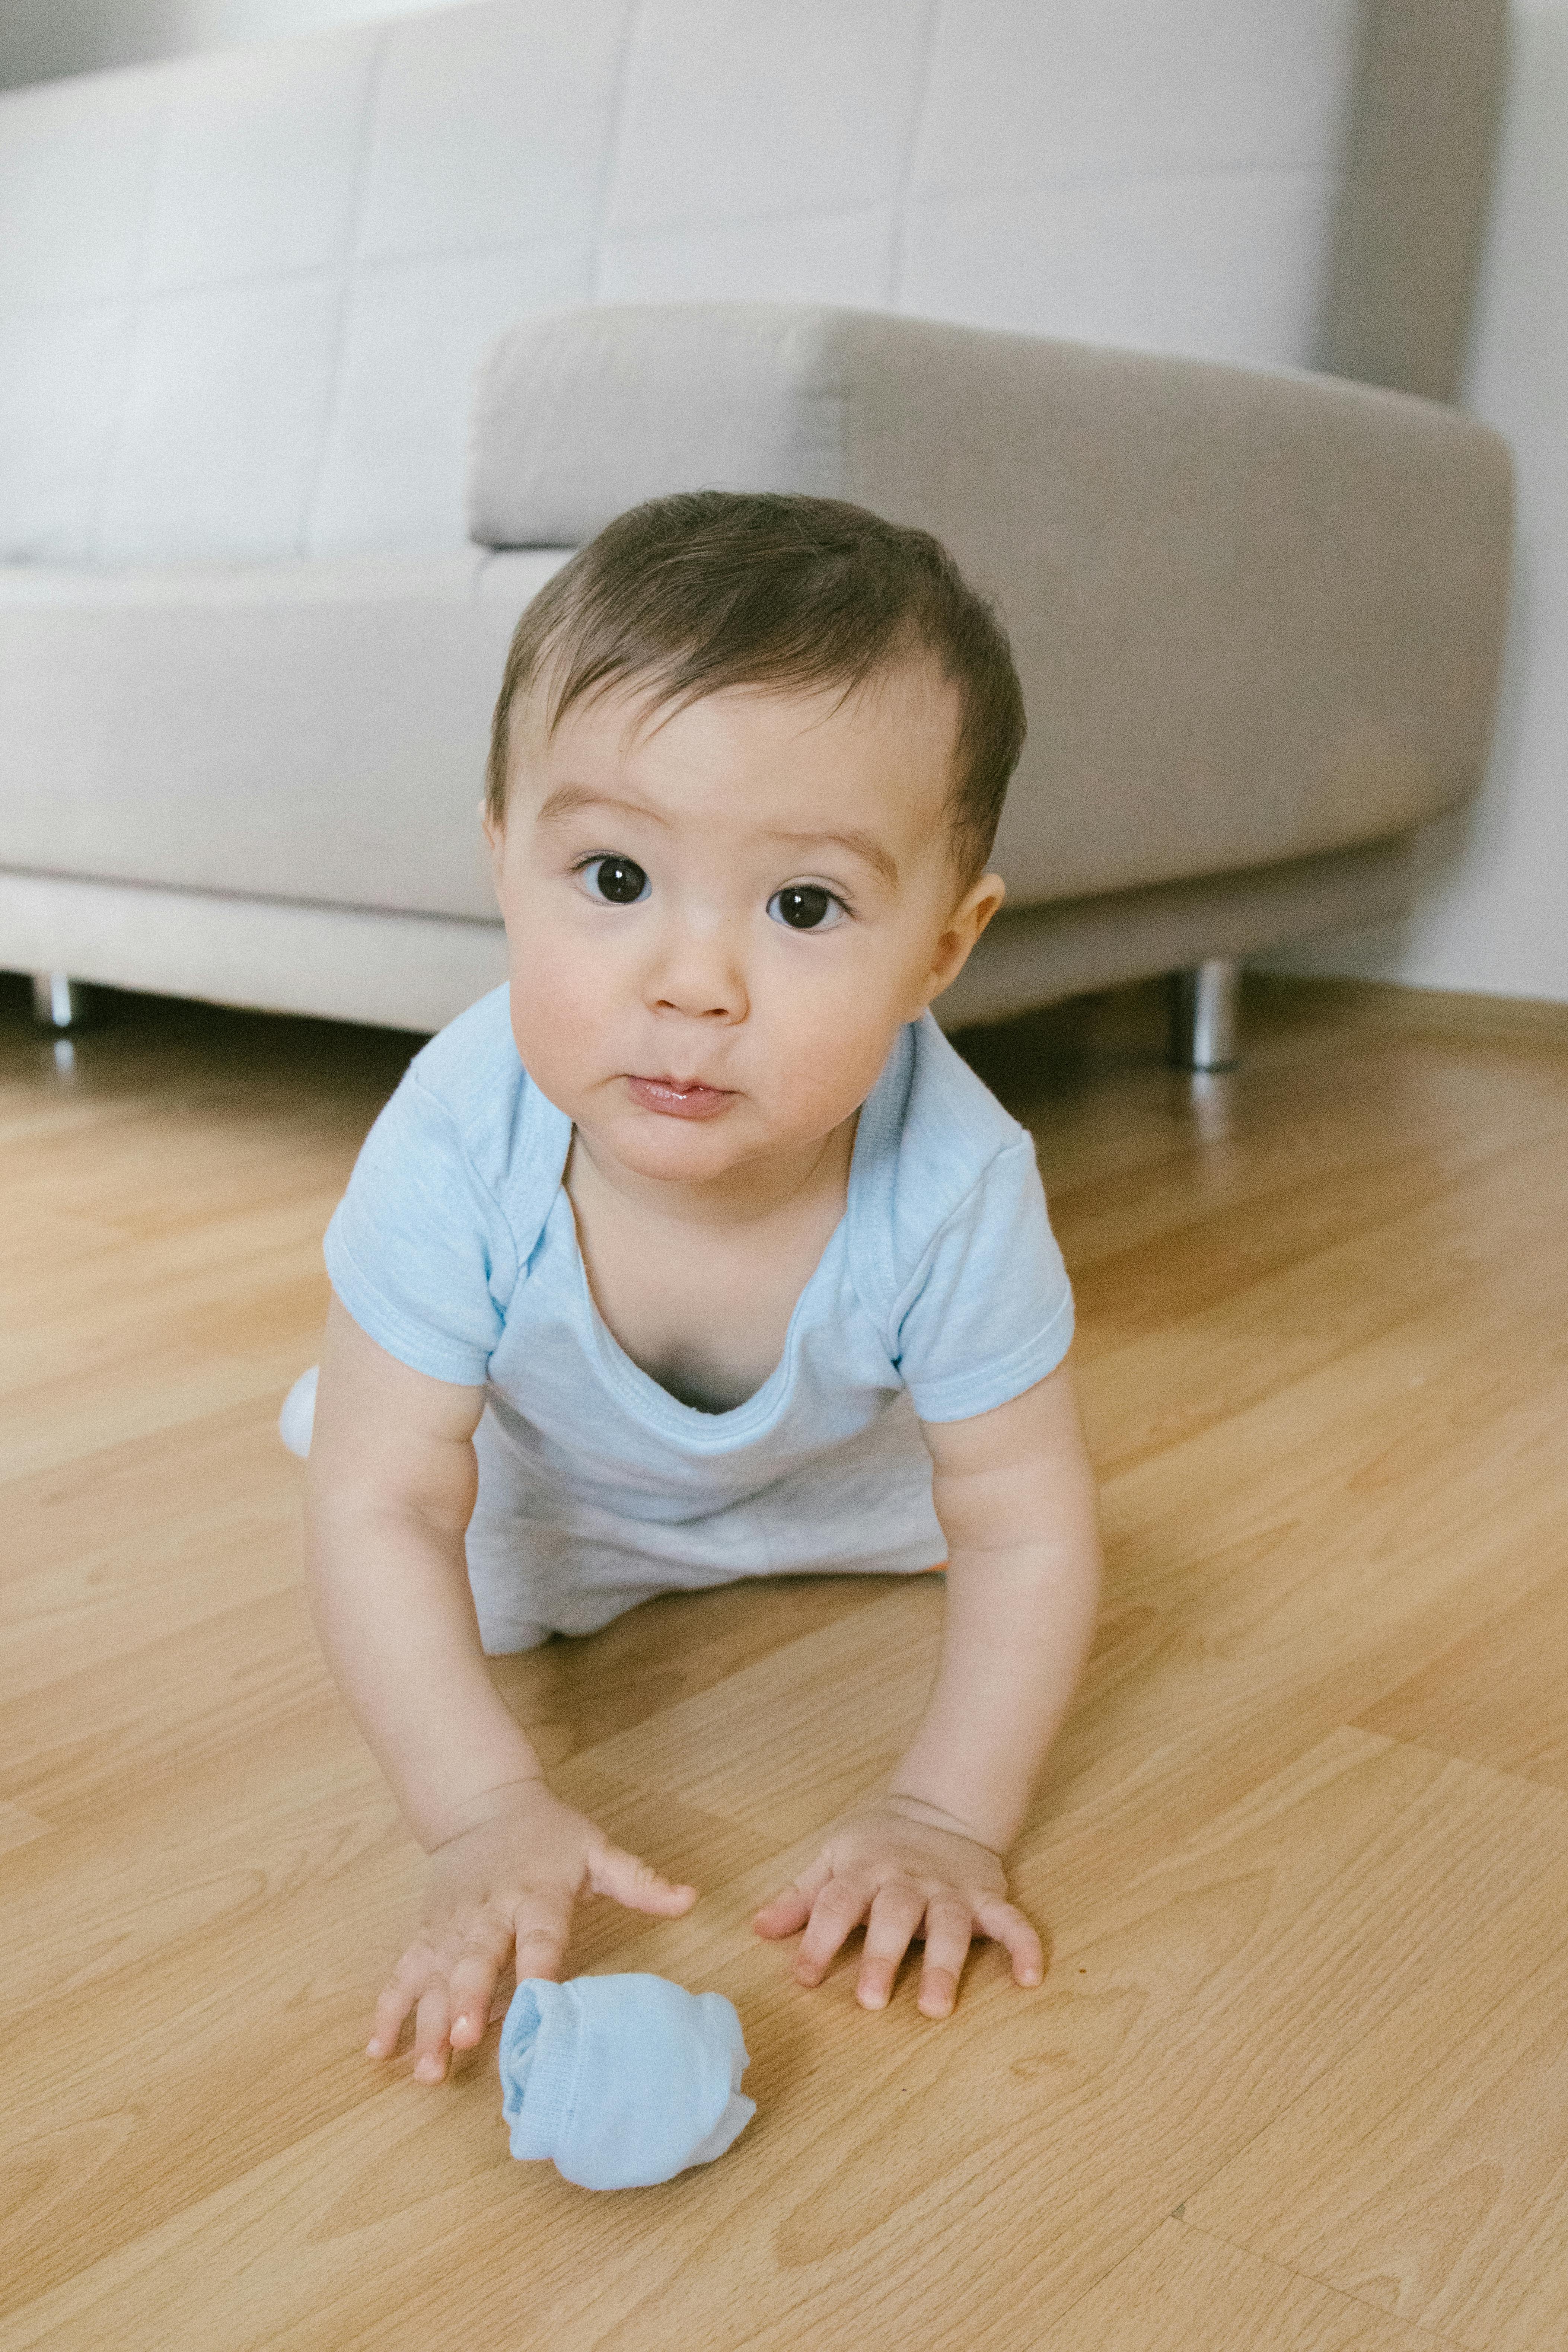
1304 581
305 731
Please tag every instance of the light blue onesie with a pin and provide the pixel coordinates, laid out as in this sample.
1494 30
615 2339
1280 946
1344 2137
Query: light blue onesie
941 1294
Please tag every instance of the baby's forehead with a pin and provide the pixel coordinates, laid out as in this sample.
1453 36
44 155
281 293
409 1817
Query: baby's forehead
909 695
750 773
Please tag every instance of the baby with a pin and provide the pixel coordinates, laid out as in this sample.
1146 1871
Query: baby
698 1254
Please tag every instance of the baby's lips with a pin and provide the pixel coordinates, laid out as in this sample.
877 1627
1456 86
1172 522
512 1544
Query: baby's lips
676 1099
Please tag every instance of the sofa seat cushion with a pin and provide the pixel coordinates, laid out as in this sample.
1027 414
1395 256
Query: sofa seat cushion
313 732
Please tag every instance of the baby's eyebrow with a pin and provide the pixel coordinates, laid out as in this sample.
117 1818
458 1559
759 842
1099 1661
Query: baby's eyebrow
569 800
859 844
566 800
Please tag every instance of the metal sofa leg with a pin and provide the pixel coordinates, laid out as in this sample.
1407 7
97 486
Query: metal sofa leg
1203 1015
58 1002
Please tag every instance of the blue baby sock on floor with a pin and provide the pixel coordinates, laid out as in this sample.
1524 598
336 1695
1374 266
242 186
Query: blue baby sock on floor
623 2080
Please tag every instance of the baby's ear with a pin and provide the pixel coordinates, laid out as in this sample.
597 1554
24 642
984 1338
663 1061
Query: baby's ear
494 831
962 929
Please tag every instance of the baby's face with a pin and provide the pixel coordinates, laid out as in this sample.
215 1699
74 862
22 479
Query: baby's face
717 918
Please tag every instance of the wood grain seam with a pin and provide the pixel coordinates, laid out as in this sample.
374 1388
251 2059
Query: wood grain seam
1432 1745
1310 2278
1128 2254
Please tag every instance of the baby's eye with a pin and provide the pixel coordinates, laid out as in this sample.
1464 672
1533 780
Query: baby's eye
619 879
806 907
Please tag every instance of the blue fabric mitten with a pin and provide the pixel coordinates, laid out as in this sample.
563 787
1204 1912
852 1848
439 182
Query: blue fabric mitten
624 2080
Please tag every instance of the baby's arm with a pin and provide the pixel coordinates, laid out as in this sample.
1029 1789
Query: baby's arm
393 1478
1015 1494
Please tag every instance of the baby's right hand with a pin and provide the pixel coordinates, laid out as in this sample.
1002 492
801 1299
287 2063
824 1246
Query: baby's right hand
504 1885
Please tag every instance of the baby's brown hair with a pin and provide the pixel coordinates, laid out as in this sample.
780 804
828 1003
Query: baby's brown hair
711 589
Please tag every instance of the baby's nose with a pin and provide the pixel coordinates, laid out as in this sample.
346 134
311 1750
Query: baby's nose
700 975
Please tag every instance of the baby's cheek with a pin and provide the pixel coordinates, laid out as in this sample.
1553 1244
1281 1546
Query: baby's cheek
559 1004
832 1045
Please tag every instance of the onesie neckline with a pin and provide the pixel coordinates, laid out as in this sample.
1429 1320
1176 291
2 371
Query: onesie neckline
766 1404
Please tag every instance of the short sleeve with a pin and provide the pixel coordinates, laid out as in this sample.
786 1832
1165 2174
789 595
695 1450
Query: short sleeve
989 1311
418 1249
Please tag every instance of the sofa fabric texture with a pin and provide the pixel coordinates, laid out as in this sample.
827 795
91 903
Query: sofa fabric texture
298 730
1303 581
418 972
1411 213
242 296
247 656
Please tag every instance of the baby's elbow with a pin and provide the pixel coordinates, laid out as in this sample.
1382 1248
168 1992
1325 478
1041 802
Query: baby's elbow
387 1482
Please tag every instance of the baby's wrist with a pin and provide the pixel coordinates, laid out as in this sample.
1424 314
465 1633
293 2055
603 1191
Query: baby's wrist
939 1817
460 1816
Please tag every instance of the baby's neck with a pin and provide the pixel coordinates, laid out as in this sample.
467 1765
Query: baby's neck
697 1283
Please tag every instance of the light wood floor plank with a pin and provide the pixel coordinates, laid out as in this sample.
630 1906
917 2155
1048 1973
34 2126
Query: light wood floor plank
1456 1703
1181 2291
896 2166
86 1586
1321 1302
1428 2174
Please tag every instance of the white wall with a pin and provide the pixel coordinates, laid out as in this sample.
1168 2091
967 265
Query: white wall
1492 916
40 40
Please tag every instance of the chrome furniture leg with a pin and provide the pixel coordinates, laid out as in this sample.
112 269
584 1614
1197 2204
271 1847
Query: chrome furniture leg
1203 1015
57 1001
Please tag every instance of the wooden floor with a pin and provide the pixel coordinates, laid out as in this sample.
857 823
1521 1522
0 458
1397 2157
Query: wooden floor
1297 2077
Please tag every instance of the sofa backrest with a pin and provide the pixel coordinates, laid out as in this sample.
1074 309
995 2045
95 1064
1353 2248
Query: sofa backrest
242 297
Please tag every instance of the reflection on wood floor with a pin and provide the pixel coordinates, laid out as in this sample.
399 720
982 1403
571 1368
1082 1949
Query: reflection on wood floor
1297 2077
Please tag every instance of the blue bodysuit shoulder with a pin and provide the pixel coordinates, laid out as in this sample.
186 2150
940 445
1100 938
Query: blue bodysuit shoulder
512 1137
929 1131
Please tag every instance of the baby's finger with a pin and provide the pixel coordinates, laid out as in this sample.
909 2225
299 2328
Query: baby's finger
785 1915
837 1910
474 1979
947 1948
540 1947
432 2029
895 1916
637 1883
1008 1926
396 1999
790 1908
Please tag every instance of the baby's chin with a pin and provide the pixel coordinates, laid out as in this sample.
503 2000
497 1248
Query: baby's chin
681 1150
733 1143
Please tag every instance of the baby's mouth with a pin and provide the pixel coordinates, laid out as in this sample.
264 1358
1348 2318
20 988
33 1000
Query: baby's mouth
678 1097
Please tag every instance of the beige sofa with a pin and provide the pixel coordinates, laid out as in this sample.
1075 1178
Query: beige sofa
247 649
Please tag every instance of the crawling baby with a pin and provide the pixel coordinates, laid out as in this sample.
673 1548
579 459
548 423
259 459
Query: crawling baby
695 1253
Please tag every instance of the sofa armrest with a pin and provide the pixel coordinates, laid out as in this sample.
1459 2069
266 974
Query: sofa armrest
1258 616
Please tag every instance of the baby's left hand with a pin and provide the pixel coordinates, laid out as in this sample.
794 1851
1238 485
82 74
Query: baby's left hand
905 1869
